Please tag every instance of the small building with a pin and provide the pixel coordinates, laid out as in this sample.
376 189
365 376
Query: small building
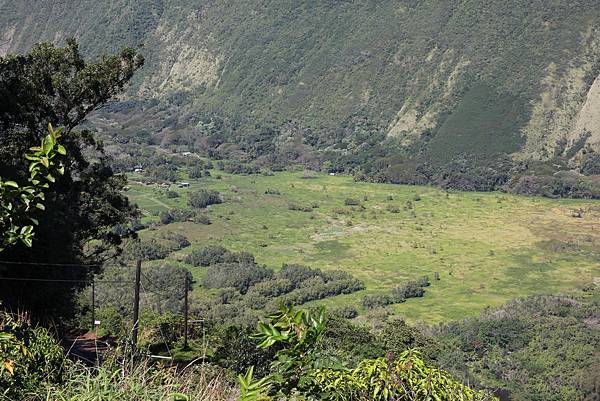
184 185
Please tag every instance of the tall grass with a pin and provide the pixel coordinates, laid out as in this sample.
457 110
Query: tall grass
111 382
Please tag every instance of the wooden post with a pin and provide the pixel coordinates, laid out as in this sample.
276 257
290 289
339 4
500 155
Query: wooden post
93 303
136 304
185 313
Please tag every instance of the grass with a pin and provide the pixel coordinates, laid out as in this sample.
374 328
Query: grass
487 247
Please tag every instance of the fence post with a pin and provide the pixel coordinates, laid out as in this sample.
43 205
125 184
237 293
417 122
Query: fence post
136 304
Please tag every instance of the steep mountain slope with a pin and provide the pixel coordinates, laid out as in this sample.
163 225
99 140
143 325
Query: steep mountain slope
455 76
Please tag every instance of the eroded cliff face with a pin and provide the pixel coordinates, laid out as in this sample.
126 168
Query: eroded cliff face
519 77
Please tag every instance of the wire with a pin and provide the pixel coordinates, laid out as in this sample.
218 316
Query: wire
64 281
6 262
164 338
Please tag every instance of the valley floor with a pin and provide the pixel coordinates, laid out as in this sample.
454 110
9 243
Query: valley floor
487 248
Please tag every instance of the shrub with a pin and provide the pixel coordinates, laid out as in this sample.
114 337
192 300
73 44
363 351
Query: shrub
351 202
145 250
209 255
178 241
172 194
29 358
393 209
196 172
297 371
294 206
346 312
203 198
238 275
175 215
378 301
203 219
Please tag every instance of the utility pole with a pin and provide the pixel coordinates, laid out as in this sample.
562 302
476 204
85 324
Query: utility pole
185 313
136 304
93 303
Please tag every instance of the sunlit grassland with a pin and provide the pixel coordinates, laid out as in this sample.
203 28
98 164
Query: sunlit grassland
487 247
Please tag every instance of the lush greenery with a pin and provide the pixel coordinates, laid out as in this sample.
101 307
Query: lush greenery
57 85
486 248
17 201
540 348
34 368
299 371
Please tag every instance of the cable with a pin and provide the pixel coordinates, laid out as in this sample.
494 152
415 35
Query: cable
159 327
6 262
64 281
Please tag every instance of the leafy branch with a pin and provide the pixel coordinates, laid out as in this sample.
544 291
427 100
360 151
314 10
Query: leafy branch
17 202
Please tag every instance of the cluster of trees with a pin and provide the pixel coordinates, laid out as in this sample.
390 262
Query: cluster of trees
176 215
246 287
538 348
203 198
412 289
565 185
215 254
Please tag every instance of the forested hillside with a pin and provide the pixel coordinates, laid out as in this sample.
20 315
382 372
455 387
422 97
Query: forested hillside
443 78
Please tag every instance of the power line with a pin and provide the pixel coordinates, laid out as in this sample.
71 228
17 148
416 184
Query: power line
64 281
6 262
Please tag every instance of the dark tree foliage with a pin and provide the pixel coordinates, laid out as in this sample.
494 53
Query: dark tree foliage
203 198
238 275
214 254
56 85
538 348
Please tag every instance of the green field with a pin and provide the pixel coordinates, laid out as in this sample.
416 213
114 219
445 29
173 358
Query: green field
487 247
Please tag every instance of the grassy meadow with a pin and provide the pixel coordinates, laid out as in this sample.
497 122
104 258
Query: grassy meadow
487 247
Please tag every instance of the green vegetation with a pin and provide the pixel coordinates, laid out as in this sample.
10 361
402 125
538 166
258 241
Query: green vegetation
261 144
486 248
56 85
396 91
298 369
539 348
17 201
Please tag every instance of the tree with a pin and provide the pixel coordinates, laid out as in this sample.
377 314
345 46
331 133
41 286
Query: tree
56 85
203 198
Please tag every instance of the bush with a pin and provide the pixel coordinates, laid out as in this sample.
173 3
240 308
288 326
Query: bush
346 312
412 289
203 198
203 219
172 194
237 275
176 215
145 250
30 358
378 301
351 202
209 255
196 172
294 206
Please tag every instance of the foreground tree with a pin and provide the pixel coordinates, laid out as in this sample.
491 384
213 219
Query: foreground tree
56 85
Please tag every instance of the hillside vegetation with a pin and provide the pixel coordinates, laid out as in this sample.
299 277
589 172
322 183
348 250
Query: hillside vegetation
449 77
